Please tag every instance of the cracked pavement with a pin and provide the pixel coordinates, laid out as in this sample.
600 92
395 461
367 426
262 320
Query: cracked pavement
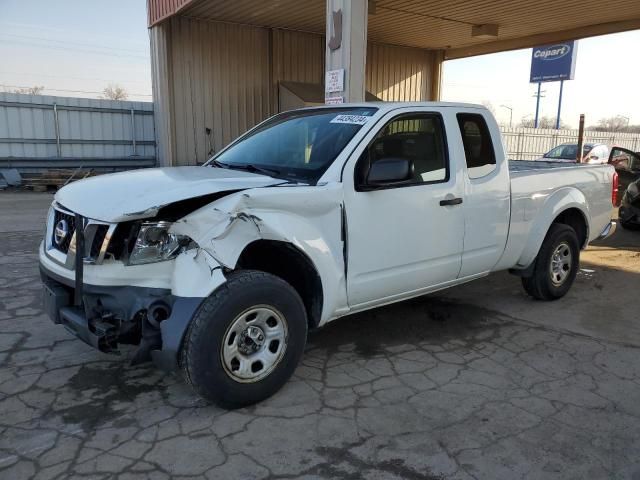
476 382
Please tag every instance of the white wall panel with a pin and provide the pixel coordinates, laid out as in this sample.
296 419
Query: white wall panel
92 129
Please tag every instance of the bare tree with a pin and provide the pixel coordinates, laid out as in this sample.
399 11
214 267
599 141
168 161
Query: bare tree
35 90
543 122
612 124
115 92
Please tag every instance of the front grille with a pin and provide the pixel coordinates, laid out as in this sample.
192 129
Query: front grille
98 239
63 222
61 237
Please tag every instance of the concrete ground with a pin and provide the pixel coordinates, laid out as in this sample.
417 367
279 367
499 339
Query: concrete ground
476 382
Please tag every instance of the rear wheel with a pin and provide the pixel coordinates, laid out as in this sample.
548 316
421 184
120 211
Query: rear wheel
245 341
556 265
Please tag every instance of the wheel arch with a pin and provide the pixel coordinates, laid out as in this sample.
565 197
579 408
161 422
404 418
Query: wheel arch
576 219
292 265
567 206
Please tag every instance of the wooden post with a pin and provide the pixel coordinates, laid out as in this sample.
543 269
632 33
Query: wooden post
579 154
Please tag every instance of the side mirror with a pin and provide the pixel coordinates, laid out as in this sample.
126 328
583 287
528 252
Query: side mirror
390 171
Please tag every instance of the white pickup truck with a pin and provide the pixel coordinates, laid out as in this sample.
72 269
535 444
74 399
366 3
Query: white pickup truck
221 270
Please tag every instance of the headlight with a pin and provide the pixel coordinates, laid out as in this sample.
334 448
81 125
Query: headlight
156 244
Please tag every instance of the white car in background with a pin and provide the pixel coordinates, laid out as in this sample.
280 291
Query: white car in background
593 153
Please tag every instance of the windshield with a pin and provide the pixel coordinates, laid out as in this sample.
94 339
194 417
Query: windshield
298 145
567 152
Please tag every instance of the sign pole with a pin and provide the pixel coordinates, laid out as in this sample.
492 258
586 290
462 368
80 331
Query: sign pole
559 105
535 124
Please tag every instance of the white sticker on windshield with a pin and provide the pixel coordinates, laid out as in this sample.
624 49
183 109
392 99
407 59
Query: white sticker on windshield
350 119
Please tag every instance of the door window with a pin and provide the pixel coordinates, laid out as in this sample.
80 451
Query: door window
478 146
624 159
418 138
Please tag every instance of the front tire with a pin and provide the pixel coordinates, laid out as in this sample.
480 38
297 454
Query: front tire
245 341
556 265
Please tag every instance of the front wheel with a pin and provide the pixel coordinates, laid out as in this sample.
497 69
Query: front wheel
245 341
556 265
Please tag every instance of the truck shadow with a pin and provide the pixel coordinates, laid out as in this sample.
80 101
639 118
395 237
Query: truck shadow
601 304
428 319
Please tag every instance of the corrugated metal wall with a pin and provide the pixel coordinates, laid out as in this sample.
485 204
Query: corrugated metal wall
398 73
220 81
162 78
393 73
225 77
296 57
38 131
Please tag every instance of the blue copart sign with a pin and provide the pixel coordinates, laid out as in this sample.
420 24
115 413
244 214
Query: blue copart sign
551 63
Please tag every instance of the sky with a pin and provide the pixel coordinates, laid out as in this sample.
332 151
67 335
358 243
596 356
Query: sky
75 46
606 84
78 47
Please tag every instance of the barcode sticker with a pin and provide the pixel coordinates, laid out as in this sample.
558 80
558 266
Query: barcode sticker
350 119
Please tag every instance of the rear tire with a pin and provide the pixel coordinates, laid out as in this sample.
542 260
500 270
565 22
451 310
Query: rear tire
556 264
245 341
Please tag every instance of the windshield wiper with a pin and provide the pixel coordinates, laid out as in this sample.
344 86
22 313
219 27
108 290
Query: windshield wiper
271 172
218 164
254 169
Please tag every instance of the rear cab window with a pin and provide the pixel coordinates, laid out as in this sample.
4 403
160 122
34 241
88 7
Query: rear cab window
478 145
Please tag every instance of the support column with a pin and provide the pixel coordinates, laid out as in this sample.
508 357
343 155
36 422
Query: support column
346 50
435 84
162 93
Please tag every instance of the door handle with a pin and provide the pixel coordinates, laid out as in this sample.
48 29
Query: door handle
450 201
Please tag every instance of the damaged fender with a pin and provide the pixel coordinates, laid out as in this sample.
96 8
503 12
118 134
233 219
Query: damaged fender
309 218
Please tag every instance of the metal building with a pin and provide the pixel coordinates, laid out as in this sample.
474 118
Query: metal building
221 66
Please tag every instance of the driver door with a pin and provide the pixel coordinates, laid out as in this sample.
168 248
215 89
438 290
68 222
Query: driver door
404 237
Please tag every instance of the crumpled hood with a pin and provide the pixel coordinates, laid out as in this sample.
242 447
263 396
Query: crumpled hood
130 195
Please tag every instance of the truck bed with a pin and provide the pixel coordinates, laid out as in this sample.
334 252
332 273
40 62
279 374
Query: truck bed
528 165
540 189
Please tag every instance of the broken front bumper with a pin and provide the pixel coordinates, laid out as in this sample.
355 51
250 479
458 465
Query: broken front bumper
105 316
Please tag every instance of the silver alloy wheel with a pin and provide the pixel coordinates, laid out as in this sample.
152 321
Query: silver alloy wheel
254 344
560 265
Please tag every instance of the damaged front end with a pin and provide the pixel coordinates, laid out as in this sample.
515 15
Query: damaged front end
153 273
119 287
109 316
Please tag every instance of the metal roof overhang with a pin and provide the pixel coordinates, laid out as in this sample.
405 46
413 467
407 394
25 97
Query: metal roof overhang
429 24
